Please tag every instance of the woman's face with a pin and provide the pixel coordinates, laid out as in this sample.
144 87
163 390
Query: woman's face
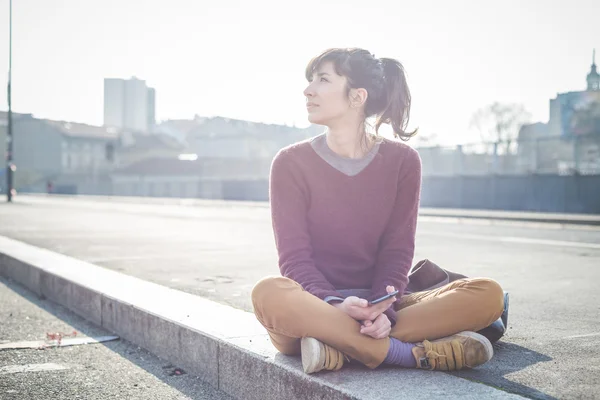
326 97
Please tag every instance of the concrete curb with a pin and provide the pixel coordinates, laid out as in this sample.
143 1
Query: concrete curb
516 216
496 215
226 347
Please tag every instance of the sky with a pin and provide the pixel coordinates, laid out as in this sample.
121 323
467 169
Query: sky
246 59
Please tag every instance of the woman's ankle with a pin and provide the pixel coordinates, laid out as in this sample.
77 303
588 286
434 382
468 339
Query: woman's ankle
400 354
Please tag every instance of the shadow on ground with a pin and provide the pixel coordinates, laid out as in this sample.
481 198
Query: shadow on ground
508 358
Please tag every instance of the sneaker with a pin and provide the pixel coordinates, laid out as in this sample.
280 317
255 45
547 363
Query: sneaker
317 356
463 350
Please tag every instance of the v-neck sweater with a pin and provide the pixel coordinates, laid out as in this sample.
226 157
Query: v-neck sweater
346 165
334 231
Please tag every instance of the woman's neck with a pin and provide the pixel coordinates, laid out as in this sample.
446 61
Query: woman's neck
350 142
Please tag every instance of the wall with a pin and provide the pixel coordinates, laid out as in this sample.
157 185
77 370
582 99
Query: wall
545 193
155 186
252 190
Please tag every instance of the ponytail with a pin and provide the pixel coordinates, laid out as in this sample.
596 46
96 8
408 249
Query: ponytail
397 109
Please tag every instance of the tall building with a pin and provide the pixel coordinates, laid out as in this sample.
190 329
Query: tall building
129 104
566 105
593 78
151 108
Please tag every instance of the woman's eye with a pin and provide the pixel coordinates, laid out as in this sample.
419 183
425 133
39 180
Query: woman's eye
324 79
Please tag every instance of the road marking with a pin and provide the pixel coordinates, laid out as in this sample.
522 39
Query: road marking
15 369
113 259
509 239
583 336
551 242
63 342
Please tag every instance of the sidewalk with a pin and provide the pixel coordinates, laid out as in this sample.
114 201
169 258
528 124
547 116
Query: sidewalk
109 370
224 346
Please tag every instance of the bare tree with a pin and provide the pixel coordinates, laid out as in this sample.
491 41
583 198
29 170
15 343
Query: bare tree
500 122
426 140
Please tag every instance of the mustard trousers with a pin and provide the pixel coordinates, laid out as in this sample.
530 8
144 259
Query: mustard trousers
289 313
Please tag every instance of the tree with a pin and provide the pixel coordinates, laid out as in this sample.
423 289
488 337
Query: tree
500 122
426 140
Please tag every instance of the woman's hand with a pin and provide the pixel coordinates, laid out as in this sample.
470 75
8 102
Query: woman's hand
360 310
378 329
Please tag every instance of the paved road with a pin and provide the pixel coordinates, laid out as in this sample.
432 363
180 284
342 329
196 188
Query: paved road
552 272
110 370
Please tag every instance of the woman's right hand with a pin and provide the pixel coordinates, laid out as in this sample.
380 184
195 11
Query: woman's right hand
361 310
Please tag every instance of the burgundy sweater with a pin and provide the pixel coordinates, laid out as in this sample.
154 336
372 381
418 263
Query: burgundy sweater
334 231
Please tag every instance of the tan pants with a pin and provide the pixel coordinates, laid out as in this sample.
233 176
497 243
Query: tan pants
289 313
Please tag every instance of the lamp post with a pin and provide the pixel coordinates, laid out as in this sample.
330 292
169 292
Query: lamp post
9 138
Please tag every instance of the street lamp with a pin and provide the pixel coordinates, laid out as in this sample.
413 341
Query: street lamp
10 168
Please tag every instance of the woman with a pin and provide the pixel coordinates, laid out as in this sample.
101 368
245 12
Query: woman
344 211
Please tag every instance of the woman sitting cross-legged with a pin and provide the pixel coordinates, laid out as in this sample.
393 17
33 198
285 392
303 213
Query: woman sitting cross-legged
344 211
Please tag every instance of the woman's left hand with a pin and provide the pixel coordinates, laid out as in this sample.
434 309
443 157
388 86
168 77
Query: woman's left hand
378 329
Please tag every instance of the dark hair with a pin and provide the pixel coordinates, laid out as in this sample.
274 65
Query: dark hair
383 79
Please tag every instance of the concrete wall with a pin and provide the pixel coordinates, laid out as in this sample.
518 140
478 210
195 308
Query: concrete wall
549 193
190 187
254 190
158 186
544 193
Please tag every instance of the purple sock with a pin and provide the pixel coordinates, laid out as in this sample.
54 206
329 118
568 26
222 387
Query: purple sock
400 354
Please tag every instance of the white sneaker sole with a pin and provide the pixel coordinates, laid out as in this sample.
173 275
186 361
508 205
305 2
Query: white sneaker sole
482 339
311 351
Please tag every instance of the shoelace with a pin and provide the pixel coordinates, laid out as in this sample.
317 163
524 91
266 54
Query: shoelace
334 359
449 356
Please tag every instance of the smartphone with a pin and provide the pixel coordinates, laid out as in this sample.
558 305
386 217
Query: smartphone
387 296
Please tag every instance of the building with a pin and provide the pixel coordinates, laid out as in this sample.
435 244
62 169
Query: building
188 176
565 144
565 105
221 137
75 157
135 147
129 104
151 106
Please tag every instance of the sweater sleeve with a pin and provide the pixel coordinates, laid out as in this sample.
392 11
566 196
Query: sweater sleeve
397 244
289 198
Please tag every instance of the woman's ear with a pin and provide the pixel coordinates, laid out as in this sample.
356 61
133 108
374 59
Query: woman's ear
358 97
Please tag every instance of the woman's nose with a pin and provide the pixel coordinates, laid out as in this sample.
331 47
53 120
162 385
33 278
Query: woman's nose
308 92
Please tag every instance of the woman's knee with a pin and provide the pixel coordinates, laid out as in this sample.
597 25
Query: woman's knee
268 290
290 348
492 294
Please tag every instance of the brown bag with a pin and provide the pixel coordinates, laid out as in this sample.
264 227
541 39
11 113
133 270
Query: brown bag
426 275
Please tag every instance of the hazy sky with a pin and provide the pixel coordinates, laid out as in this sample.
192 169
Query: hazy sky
246 59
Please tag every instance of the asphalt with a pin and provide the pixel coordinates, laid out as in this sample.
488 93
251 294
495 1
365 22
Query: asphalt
550 270
109 370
